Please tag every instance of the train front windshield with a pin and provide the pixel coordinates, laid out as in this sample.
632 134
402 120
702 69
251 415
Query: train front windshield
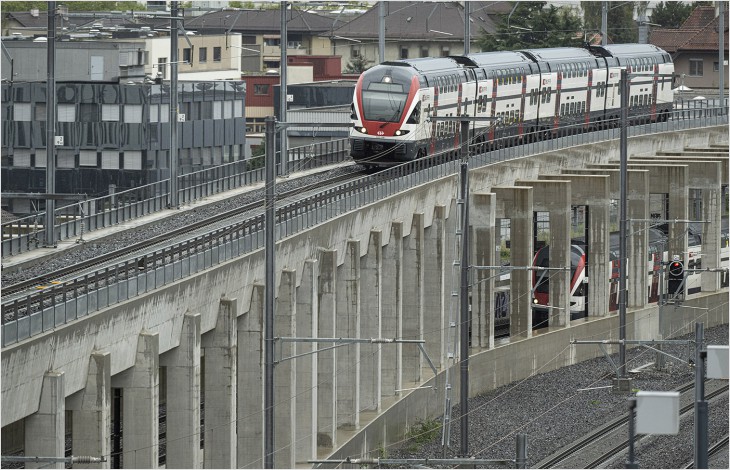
384 93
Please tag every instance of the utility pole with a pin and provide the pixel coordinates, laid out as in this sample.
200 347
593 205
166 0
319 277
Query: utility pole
283 93
50 221
381 31
464 318
467 28
721 52
701 441
173 202
604 23
269 286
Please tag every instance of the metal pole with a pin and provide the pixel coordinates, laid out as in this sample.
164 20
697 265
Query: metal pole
464 295
269 294
521 460
173 202
703 420
283 157
381 31
721 52
632 463
622 222
50 221
467 28
604 23
699 396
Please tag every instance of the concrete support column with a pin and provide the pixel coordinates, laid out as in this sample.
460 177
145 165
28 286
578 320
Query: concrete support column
711 238
91 412
45 429
183 397
433 286
593 191
306 366
285 379
483 249
516 203
327 360
250 404
392 305
140 405
554 197
413 267
219 382
371 280
678 209
348 326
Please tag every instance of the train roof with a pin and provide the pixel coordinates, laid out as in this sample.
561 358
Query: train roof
629 50
426 64
559 53
486 59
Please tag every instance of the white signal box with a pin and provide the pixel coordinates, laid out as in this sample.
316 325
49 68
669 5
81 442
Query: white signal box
657 412
718 363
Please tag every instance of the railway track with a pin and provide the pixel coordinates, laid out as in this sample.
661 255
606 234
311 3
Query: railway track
610 440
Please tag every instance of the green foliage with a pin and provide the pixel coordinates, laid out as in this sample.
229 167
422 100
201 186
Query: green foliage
620 20
357 65
75 6
422 432
534 25
242 5
671 14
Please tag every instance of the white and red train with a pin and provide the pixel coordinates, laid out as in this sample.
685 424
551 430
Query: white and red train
530 94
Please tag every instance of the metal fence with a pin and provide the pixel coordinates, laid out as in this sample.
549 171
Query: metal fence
74 220
142 275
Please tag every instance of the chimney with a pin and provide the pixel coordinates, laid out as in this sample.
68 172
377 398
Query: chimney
34 12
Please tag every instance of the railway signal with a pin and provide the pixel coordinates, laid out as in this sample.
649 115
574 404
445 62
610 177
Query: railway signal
675 281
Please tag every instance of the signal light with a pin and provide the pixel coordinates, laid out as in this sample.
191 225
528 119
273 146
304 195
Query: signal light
675 281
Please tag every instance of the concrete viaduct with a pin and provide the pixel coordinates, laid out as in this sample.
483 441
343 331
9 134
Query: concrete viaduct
381 272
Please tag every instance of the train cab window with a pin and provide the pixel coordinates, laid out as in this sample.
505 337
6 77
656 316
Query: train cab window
415 116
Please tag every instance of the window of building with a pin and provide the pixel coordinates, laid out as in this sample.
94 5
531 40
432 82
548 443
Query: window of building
40 112
268 41
154 113
110 112
217 110
216 54
40 160
716 66
187 56
354 51
261 89
238 108
109 160
271 64
65 158
133 113
695 67
227 109
132 159
21 158
66 113
164 113
162 67
203 55
424 51
445 51
89 112
21 112
87 158
403 52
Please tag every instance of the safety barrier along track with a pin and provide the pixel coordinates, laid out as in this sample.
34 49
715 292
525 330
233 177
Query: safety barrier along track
58 304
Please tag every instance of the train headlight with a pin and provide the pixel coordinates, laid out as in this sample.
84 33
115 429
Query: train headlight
363 130
401 132
534 301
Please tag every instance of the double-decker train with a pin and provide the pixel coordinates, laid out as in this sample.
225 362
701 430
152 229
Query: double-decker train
526 95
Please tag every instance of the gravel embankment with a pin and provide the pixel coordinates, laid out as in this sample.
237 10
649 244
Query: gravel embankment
550 410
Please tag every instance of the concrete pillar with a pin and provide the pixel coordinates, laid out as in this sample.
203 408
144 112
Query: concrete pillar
554 198
250 403
45 429
285 379
219 385
183 397
433 286
711 238
516 203
483 253
392 305
371 280
91 412
413 267
348 326
140 405
593 191
327 360
306 366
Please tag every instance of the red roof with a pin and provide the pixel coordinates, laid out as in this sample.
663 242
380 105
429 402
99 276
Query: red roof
698 33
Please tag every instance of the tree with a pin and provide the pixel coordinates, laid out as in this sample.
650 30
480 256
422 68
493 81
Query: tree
75 6
671 14
620 18
533 25
357 64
